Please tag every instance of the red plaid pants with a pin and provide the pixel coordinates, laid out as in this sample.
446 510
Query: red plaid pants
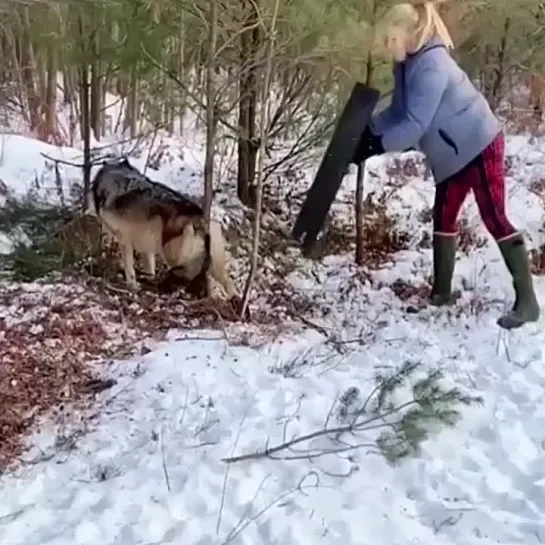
485 176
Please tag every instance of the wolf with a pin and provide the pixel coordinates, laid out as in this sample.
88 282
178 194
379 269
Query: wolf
152 219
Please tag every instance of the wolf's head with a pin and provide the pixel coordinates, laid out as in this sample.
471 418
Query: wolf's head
188 251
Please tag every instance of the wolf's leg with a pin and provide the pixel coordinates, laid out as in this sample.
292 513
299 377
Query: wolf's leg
218 269
148 261
209 286
128 265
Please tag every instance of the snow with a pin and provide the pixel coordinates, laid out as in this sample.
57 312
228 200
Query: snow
149 467
27 165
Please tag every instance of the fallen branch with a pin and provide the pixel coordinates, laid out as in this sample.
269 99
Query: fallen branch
338 430
401 434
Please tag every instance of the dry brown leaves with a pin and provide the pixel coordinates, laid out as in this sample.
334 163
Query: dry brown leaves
53 338
51 335
44 357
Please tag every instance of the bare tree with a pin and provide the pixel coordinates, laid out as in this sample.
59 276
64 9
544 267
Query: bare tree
247 149
210 108
85 108
265 100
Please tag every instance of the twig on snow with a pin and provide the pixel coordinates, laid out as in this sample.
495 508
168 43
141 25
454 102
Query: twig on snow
449 521
226 474
164 462
235 531
10 517
313 325
300 487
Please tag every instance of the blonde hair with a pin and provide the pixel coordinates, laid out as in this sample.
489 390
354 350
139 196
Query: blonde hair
420 19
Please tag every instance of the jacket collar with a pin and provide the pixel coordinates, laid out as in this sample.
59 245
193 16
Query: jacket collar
434 43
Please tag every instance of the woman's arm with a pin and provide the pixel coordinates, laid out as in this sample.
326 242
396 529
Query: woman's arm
383 119
387 116
422 96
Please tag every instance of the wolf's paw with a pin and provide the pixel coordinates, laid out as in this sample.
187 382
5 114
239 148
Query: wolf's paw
133 285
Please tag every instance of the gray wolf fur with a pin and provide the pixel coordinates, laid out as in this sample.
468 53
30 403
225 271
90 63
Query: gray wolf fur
153 219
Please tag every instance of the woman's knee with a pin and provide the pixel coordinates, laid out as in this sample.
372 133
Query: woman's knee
448 202
445 226
498 225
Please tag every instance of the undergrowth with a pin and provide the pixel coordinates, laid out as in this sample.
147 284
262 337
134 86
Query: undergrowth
46 238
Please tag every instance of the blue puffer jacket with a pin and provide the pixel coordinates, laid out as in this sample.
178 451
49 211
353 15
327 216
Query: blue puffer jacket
437 110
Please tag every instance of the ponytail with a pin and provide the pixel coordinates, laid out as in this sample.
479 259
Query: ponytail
421 20
430 24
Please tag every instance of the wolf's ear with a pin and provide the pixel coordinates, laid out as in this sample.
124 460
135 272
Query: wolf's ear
125 162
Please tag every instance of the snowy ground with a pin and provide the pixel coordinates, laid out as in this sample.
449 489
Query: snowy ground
149 468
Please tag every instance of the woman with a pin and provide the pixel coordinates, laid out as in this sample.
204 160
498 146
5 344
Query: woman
436 109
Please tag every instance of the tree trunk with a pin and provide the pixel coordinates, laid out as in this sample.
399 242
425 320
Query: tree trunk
210 108
497 83
103 91
248 97
40 68
69 88
28 75
131 119
263 123
95 106
85 126
536 92
51 95
85 114
181 74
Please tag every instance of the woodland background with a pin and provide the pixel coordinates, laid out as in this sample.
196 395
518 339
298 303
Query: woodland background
223 60
268 76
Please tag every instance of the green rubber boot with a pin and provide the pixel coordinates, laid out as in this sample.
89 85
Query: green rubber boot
526 307
444 258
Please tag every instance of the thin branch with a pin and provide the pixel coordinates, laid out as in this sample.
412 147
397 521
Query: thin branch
164 462
338 430
185 88
226 475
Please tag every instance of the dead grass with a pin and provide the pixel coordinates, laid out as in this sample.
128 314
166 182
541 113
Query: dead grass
382 236
400 169
405 291
538 187
522 120
537 260
468 240
80 237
